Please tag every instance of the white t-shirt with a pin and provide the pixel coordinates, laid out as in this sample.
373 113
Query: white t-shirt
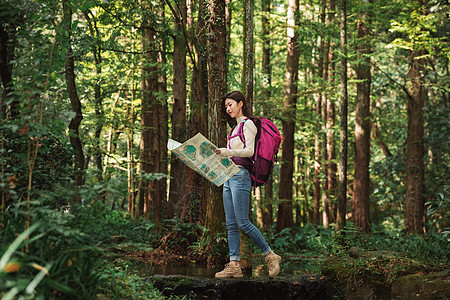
236 146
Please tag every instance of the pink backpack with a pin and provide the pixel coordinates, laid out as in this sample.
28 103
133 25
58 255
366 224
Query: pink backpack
267 143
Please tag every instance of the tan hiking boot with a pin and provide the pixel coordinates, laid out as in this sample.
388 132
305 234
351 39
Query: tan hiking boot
273 265
230 271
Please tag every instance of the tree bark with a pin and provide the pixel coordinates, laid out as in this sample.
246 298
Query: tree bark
98 98
75 102
360 203
414 208
249 53
162 120
285 216
317 136
267 209
343 147
247 84
178 169
195 195
331 116
150 159
217 85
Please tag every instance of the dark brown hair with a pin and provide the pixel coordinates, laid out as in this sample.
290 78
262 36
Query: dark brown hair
238 97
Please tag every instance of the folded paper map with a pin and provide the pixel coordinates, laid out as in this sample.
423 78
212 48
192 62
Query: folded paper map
199 154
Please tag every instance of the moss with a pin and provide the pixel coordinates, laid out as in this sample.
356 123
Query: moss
383 275
422 286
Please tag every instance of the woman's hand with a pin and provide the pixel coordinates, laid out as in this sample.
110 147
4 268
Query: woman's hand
223 152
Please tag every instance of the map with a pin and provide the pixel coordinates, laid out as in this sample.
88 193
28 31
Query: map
199 154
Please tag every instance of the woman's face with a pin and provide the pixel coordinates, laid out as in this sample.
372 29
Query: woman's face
234 108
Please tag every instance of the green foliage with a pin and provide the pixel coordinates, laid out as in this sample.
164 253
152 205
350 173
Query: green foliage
312 240
50 257
118 282
52 169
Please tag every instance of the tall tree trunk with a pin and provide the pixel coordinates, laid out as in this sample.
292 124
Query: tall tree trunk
247 89
195 195
343 147
249 53
217 85
317 135
414 208
285 217
74 125
149 123
162 120
129 131
331 116
178 169
267 209
325 101
98 98
360 204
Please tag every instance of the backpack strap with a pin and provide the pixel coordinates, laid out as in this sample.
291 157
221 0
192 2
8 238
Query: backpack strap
239 133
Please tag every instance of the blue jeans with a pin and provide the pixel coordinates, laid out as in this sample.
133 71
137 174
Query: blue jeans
236 202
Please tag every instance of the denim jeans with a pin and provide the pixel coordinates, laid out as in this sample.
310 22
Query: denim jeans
236 202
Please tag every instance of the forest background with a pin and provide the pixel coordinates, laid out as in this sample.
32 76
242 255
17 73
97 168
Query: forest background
92 90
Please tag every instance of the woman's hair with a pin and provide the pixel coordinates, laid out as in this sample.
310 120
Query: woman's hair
238 97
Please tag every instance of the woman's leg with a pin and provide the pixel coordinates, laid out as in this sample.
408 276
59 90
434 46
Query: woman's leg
239 186
232 225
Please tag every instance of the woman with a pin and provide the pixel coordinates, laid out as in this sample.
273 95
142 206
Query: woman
236 191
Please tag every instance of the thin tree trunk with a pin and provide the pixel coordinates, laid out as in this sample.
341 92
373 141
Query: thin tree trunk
325 101
178 170
317 136
74 125
163 129
285 216
249 53
331 116
360 203
98 98
267 210
343 147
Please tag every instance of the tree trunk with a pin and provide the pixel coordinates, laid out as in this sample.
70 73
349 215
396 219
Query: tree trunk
331 116
414 208
195 195
149 123
249 53
178 169
74 125
317 135
343 147
98 98
247 84
162 120
217 85
325 103
360 204
285 217
267 210
129 130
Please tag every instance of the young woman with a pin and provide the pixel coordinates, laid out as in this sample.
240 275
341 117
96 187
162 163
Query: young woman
236 191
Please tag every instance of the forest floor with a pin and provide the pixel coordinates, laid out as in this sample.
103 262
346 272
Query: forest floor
370 275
